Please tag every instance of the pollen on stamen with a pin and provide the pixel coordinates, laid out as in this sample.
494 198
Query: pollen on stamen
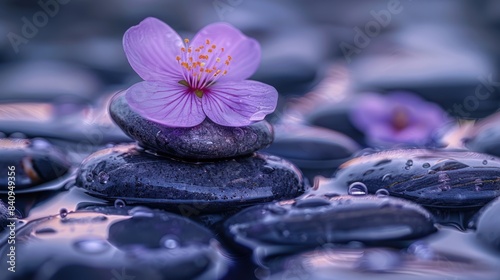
207 41
178 58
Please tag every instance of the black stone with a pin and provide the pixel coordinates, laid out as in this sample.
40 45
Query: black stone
316 151
341 219
135 176
336 117
204 141
487 226
4 215
31 162
434 178
141 244
486 136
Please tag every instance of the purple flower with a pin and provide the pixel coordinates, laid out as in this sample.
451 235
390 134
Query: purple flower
397 118
188 81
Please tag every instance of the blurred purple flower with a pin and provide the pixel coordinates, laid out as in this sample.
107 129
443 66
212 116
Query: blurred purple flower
398 117
188 81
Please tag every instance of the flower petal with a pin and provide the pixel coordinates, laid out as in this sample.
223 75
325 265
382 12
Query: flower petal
167 103
239 103
244 51
151 48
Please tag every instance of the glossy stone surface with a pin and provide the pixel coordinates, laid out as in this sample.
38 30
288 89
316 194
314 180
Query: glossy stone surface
141 243
341 219
315 150
205 141
4 215
485 136
418 262
34 162
487 226
434 178
129 173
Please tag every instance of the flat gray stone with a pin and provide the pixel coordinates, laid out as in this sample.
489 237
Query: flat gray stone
204 141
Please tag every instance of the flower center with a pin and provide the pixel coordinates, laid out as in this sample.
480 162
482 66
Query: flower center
202 65
400 119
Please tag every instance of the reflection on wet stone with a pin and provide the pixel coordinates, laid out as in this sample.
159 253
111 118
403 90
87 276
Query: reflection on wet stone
434 178
100 245
310 222
136 176
36 162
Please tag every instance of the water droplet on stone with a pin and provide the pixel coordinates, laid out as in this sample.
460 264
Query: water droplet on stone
382 193
426 165
140 211
63 213
379 260
386 177
444 181
92 246
169 242
266 169
421 250
40 144
485 162
103 177
409 162
45 231
285 233
357 188
276 210
119 203
478 183
368 172
89 177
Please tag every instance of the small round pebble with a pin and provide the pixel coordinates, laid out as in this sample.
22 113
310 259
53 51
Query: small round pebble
204 141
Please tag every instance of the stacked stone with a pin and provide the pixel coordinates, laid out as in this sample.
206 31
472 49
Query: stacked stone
206 168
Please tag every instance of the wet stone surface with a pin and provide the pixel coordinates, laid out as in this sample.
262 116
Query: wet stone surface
4 215
316 221
417 262
486 136
434 178
316 151
129 173
205 141
487 226
143 243
34 162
